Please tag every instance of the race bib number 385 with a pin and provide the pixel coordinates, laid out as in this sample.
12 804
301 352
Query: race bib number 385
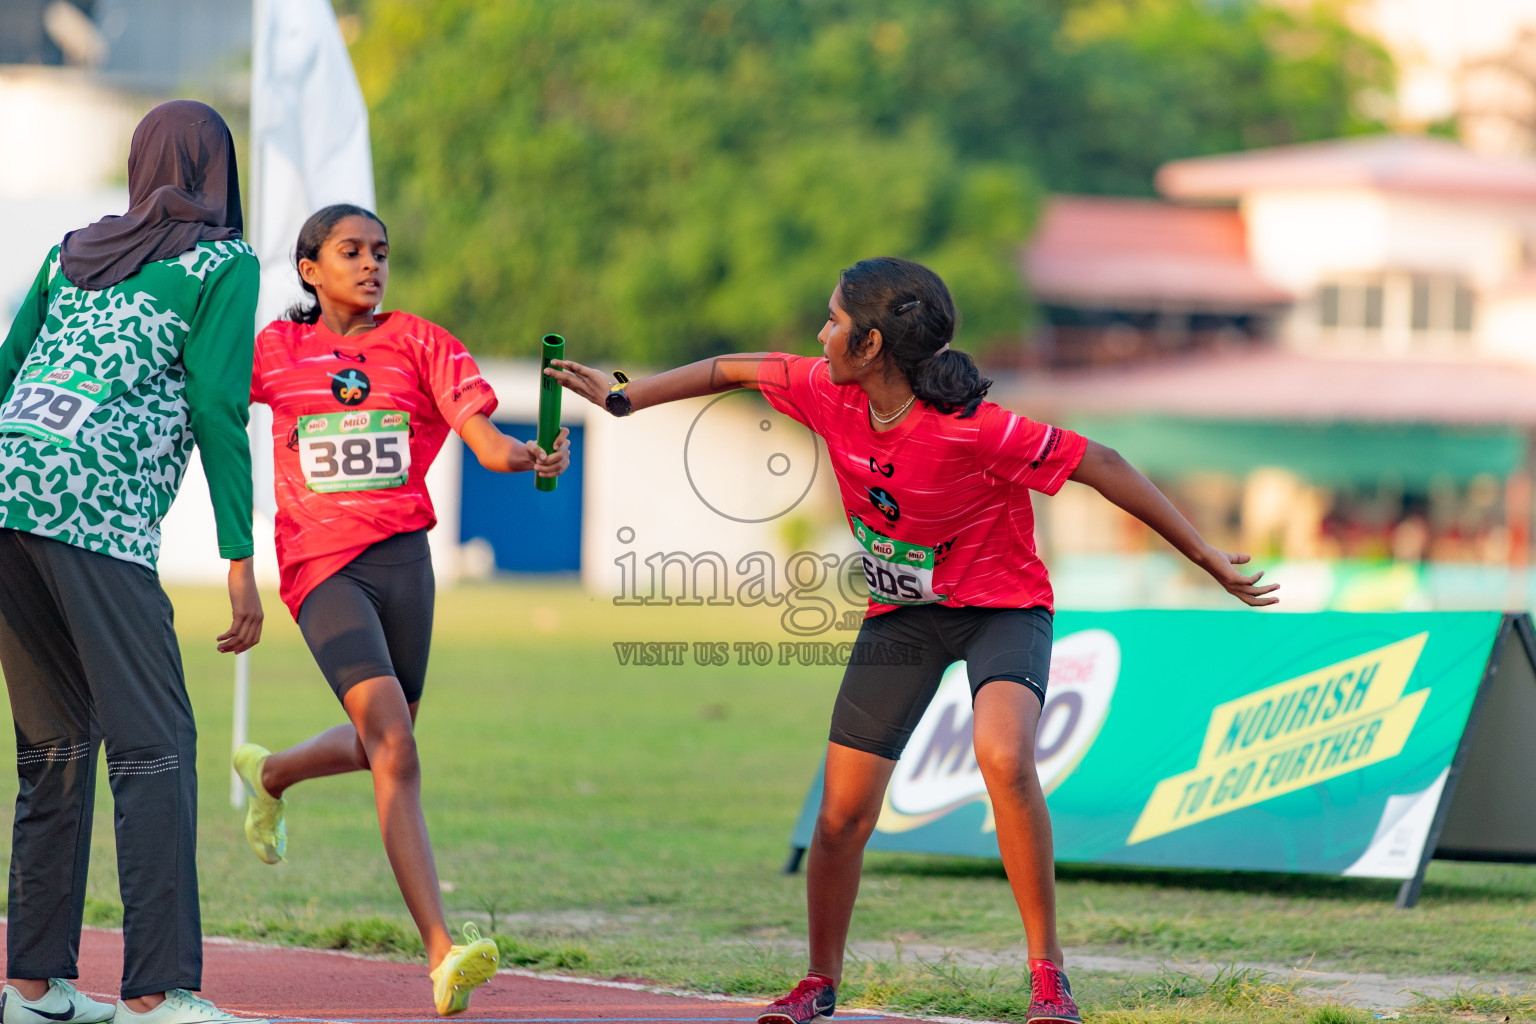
355 451
51 403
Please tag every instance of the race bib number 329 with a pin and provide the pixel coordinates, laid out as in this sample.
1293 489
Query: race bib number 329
355 451
51 403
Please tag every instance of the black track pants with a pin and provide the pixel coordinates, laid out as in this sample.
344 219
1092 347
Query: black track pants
90 657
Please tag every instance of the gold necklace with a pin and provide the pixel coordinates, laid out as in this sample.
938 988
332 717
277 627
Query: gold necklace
886 419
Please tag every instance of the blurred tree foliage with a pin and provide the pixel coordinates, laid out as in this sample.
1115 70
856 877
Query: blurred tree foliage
666 179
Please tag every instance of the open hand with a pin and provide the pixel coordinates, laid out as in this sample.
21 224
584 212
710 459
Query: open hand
1222 567
244 630
593 385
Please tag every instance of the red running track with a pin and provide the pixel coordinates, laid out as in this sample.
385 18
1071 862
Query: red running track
319 987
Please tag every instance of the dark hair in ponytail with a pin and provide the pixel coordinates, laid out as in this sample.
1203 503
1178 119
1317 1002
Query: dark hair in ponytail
312 237
912 309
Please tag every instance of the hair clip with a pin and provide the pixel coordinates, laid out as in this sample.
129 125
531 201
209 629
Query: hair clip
906 306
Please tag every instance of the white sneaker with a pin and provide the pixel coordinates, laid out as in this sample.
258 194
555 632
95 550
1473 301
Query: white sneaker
62 1003
181 1007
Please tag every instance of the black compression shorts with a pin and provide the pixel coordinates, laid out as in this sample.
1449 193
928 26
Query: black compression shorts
374 616
901 656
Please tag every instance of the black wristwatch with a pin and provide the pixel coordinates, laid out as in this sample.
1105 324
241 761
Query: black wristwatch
618 401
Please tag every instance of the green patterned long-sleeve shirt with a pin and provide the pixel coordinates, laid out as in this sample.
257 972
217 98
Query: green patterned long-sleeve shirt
106 391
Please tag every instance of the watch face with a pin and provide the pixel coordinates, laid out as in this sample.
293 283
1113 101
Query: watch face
618 403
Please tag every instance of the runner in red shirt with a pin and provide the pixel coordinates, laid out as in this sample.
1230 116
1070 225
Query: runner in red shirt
939 502
357 421
361 404
935 483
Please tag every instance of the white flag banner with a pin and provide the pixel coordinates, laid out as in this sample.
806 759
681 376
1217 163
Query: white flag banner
309 136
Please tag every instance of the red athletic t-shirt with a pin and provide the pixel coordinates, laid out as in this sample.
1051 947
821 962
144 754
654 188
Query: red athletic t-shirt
356 421
939 504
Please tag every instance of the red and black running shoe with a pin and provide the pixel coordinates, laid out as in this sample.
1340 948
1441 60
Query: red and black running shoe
1050 996
813 999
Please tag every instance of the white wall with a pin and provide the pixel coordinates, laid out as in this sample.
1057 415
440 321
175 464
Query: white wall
189 542
1507 325
1298 236
61 132
31 225
1483 241
63 158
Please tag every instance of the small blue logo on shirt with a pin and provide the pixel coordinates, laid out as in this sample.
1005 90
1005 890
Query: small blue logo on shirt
885 502
351 387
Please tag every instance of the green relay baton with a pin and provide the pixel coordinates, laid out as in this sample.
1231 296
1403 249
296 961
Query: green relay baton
549 405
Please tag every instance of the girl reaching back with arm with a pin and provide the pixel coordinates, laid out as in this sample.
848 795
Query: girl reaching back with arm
935 485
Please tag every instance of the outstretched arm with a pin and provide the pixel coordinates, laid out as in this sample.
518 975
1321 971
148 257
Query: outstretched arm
1105 471
705 377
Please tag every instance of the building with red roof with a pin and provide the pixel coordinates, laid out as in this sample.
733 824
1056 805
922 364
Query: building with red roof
1324 350
1385 245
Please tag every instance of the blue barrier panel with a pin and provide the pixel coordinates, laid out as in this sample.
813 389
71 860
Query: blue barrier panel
530 530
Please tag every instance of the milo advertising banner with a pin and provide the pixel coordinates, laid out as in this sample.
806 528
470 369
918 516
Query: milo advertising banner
1329 743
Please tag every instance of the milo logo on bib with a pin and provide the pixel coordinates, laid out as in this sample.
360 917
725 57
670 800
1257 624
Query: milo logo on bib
355 451
51 403
895 572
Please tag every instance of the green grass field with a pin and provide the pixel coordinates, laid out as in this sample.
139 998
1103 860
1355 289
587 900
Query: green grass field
632 822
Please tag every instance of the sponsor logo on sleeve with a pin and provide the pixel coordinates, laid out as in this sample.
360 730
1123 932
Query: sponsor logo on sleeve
466 387
1047 447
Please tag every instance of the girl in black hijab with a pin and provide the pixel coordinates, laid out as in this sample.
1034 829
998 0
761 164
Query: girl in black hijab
183 188
134 342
